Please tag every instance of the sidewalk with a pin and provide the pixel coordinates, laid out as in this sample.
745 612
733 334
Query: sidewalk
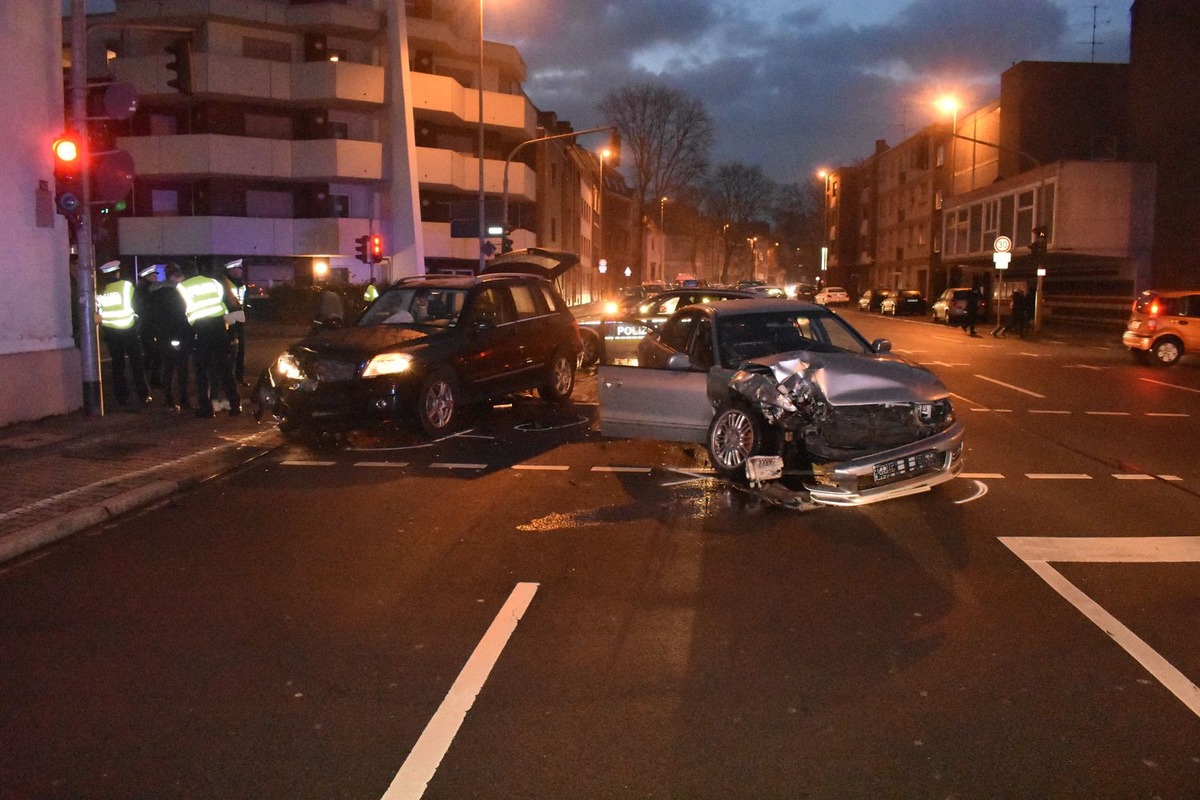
61 475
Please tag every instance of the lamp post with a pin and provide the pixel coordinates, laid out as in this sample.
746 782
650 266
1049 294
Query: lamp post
823 174
604 154
482 203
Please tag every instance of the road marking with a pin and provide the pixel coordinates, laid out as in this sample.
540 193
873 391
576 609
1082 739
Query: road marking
546 467
1170 385
453 465
1132 476
980 490
1010 386
1046 411
1165 414
982 476
381 463
1057 476
1083 366
1108 413
642 470
426 756
692 476
300 463
1036 552
995 410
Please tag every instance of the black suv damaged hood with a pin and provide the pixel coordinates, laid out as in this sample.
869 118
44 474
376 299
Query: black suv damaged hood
538 261
365 340
847 379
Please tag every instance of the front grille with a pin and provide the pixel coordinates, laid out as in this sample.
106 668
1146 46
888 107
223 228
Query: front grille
880 427
329 370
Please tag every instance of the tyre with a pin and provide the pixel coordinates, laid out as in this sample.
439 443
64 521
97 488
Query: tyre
560 378
438 403
1167 352
735 434
592 352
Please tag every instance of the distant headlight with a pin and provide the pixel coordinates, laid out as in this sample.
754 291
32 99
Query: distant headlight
388 364
611 308
287 367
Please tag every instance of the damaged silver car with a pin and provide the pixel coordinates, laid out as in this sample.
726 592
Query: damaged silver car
790 397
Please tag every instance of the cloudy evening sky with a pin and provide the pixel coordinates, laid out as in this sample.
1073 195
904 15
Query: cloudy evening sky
795 84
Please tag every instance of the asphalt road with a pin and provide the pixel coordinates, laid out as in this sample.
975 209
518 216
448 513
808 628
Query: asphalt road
528 610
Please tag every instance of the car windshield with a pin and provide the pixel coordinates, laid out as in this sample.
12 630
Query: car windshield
756 335
416 305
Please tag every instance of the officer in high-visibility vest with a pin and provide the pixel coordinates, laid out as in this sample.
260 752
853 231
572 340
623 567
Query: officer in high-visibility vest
119 329
204 298
371 293
235 301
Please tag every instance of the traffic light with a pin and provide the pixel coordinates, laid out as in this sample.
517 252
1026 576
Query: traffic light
1037 246
614 148
376 249
180 52
506 242
362 247
68 174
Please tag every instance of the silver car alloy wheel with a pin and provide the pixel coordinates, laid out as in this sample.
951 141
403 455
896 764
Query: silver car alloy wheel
1167 352
732 438
562 375
439 403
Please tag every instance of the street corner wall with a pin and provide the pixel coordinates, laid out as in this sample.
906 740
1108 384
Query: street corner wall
39 384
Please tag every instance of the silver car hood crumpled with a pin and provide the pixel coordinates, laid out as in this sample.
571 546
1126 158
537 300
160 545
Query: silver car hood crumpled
846 379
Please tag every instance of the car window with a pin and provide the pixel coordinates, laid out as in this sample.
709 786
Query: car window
702 345
421 305
750 336
1192 305
493 304
524 301
553 301
677 331
667 306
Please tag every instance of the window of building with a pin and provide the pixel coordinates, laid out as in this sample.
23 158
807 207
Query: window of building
266 204
268 126
164 202
1024 232
939 157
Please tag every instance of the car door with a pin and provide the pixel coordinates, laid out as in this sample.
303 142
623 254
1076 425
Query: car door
492 351
662 398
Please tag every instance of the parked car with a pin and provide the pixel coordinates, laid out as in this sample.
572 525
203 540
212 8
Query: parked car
871 299
1163 326
628 325
430 344
775 292
951 306
804 291
831 296
902 301
789 396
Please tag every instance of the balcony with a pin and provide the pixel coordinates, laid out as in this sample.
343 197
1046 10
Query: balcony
249 236
329 83
445 100
195 155
334 18
446 170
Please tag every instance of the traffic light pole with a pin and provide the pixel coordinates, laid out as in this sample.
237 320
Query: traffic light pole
85 273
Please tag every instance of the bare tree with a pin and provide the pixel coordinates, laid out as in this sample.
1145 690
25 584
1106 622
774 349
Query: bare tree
797 221
738 195
668 134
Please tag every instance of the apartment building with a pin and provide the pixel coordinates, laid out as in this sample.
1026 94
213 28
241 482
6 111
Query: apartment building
314 123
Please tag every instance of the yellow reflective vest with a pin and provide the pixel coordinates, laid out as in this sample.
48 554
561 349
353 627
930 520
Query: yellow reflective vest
371 293
115 306
203 298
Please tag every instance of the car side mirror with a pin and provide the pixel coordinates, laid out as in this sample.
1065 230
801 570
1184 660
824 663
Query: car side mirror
680 361
881 346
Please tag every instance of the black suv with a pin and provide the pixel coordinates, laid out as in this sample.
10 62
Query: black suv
432 343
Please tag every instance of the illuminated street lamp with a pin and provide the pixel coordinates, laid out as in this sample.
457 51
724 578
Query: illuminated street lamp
823 174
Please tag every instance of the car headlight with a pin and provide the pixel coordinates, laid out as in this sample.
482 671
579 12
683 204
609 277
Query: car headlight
388 364
286 366
611 308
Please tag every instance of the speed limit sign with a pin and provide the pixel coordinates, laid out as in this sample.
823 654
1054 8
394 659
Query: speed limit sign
1003 244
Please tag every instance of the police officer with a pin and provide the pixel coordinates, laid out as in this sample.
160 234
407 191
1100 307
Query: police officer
235 301
168 314
371 293
119 329
204 297
147 285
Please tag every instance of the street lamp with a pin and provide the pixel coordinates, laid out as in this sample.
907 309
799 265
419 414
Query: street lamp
604 154
948 104
823 174
482 204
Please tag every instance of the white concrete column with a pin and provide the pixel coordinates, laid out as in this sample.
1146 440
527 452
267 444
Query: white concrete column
401 204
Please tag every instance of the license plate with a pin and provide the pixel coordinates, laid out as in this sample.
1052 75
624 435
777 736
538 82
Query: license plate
908 466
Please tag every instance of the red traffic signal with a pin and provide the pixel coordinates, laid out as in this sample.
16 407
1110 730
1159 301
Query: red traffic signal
68 173
376 252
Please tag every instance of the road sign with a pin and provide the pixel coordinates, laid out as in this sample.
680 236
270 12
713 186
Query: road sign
1001 259
1003 244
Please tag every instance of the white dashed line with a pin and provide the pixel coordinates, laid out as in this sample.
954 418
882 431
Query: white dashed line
982 476
642 470
1107 413
381 463
543 467
1164 414
1010 386
453 465
1047 411
1170 385
299 463
1057 476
